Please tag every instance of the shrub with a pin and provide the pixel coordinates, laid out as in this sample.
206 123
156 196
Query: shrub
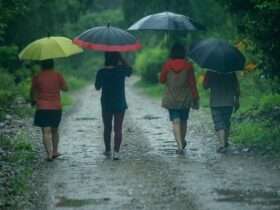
7 89
260 135
268 103
9 57
23 88
149 63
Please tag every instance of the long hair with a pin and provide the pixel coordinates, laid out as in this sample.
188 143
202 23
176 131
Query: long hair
177 51
112 58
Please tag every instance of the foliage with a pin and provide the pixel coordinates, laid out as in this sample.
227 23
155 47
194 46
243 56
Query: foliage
7 89
149 63
259 20
257 121
75 83
66 100
269 103
23 89
89 20
8 57
207 12
259 134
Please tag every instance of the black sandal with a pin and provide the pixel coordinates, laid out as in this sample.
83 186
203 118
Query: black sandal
56 156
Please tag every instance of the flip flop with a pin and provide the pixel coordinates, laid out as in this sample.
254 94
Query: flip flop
56 156
49 159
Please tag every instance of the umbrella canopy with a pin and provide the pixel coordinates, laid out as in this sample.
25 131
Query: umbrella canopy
217 55
107 39
49 48
166 21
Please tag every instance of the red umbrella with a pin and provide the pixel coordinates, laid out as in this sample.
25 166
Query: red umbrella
107 39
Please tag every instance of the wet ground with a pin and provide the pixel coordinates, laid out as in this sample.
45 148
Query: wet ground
150 175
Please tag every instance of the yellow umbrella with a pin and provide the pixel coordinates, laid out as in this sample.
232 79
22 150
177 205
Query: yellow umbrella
49 48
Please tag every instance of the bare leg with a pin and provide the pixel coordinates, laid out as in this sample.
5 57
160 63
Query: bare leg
183 133
221 137
177 133
55 141
47 141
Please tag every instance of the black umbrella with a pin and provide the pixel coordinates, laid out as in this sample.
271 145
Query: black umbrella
107 39
217 55
166 21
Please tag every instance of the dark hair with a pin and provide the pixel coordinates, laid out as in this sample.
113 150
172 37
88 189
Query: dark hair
47 64
177 51
112 58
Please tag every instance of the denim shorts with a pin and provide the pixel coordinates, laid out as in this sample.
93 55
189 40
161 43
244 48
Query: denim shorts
182 114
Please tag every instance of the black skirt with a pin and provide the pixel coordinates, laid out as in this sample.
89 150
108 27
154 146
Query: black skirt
47 118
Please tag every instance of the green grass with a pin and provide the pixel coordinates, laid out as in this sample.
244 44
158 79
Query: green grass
257 134
257 122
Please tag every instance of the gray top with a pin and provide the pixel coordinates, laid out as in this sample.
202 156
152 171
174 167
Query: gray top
224 88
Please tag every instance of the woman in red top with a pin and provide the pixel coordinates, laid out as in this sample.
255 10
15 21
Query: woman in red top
45 93
180 93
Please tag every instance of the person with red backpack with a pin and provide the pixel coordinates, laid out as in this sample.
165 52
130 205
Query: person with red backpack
181 92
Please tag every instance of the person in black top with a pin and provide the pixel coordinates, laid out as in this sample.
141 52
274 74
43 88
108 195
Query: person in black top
111 79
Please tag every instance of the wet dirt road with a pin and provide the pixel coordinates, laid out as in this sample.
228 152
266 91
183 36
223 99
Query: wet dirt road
150 175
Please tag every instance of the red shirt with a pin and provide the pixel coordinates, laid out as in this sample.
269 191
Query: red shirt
46 87
178 65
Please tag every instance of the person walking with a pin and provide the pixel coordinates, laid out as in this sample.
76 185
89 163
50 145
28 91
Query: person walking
181 92
224 99
45 94
111 79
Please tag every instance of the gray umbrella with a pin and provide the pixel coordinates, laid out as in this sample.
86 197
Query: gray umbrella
217 55
166 21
